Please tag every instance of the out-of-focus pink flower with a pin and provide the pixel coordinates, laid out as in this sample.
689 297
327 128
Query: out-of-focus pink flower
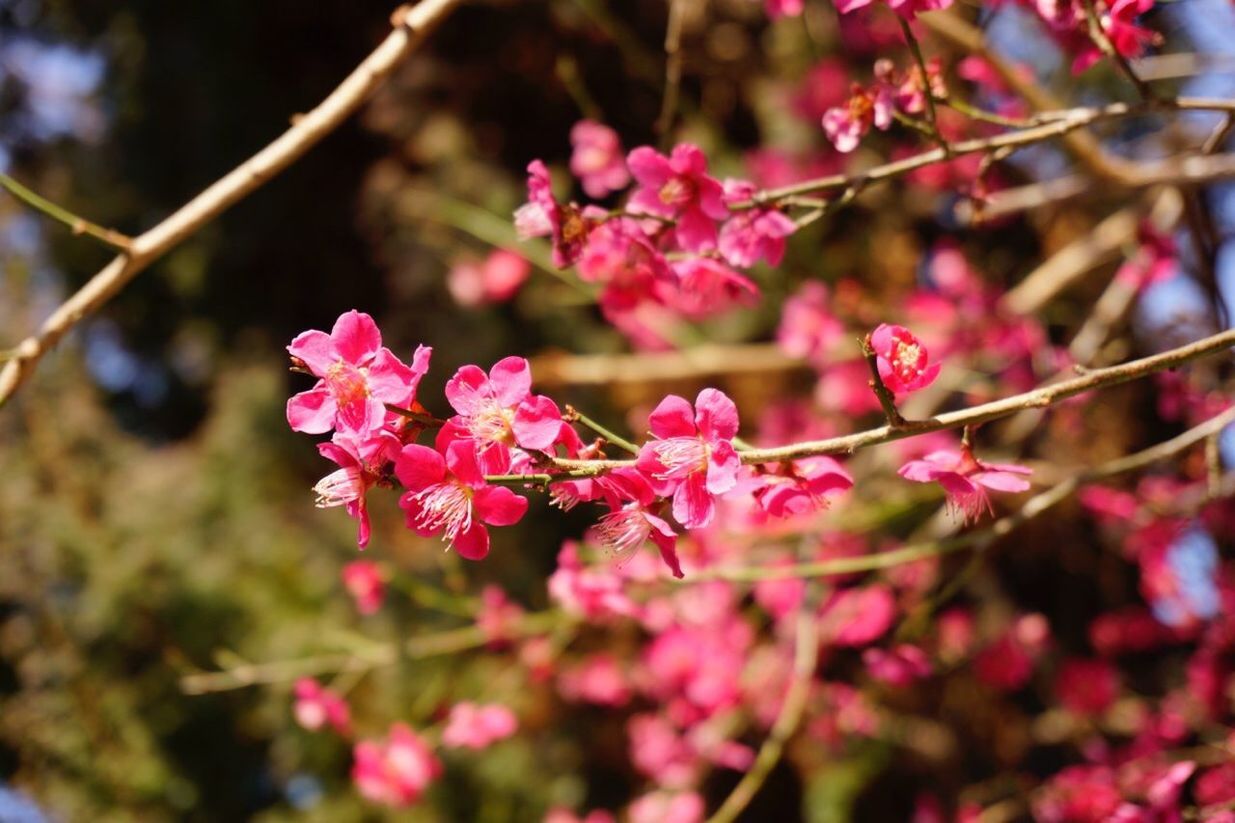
395 771
1216 785
904 364
597 158
495 280
497 615
696 670
808 328
801 486
364 581
594 593
823 87
599 679
566 225
1087 687
857 616
358 376
1078 794
965 479
898 666
754 233
706 286
471 726
567 816
693 458
955 634
670 807
628 526
1156 260
845 125
316 707
1132 629
449 496
361 464
620 258
678 187
497 411
1119 21
1008 663
905 8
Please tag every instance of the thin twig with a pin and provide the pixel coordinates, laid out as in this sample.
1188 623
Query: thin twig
621 442
887 400
411 26
673 69
916 49
79 225
1100 39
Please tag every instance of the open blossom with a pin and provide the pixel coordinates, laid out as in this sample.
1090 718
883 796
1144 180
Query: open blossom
678 187
601 679
1087 687
542 216
845 125
905 8
364 581
801 486
965 479
498 410
754 233
667 807
693 457
597 158
449 496
630 522
317 707
898 666
1008 663
808 327
396 771
358 376
620 258
707 286
494 280
904 364
361 466
477 727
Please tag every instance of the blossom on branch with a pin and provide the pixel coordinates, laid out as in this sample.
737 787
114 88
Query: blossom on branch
678 188
965 479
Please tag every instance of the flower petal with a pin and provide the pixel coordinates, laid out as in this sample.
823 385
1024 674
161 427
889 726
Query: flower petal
673 417
716 415
537 423
315 349
499 506
473 543
419 467
511 381
311 412
355 337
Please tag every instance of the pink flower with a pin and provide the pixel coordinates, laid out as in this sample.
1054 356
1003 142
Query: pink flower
1008 663
495 280
678 187
1078 794
316 707
394 772
754 233
845 125
497 616
566 816
624 530
477 727
801 486
693 458
619 257
597 158
450 496
364 582
857 617
358 377
965 479
905 8
667 807
361 466
898 666
498 410
1119 21
1087 687
599 680
808 328
592 593
542 216
706 286
904 364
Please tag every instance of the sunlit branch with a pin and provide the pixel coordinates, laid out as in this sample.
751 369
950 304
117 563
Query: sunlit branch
79 225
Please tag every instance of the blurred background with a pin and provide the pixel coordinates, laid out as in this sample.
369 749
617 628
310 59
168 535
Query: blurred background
156 514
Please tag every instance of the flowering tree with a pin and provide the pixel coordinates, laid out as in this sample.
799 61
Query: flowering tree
776 580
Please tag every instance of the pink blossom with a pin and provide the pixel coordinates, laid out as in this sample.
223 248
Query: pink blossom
1008 663
678 187
566 816
965 479
599 680
1087 687
362 465
668 807
358 376
753 233
1078 794
495 280
1119 21
317 707
905 8
364 581
542 216
899 666
477 727
593 593
845 125
498 410
808 328
396 771
497 616
624 530
693 457
706 286
696 669
619 257
801 486
597 158
858 616
1216 785
450 496
824 86
904 364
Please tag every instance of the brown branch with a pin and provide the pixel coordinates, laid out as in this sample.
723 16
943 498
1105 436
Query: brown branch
1038 398
673 69
411 25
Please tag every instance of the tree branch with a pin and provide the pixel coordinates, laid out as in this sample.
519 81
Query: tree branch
411 26
79 225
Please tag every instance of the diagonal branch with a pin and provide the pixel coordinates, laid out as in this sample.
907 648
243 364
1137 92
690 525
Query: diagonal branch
411 26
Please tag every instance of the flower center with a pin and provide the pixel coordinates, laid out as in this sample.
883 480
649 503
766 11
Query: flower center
677 192
445 506
347 383
681 457
623 530
339 487
492 423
